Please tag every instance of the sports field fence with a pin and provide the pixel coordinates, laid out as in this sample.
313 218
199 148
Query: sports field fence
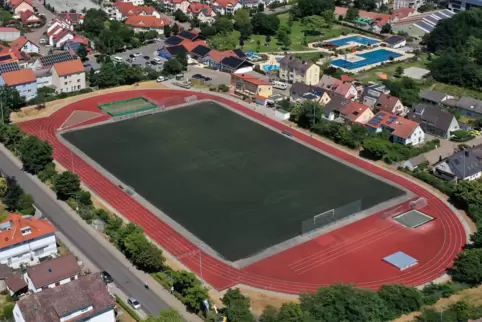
330 217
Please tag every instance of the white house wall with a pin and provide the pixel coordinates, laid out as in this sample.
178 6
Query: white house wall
29 251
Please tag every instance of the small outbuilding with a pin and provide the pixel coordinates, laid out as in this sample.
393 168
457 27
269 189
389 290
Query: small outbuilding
394 42
282 114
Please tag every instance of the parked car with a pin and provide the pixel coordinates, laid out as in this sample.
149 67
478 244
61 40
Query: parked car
134 303
160 79
147 57
197 76
132 56
153 62
137 54
148 63
106 277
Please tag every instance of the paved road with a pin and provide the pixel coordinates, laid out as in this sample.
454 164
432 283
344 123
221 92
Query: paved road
129 283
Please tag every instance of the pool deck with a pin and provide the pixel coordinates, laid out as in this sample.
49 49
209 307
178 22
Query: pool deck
354 57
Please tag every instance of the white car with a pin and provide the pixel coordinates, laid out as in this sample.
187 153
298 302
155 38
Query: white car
137 54
160 79
134 303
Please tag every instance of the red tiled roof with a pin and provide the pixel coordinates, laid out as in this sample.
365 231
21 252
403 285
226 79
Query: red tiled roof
387 102
402 13
353 110
25 15
8 29
346 78
80 39
62 34
400 126
53 303
190 45
22 76
197 7
38 227
71 17
53 30
52 271
217 55
379 18
145 22
69 67
251 79
343 89
225 3
15 3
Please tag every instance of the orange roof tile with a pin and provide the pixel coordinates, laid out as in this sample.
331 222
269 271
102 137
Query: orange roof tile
399 126
225 3
69 67
346 78
16 222
145 22
353 110
22 76
217 55
251 79
15 3
190 45
19 43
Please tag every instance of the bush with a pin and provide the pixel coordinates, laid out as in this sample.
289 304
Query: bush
461 136
8 311
223 88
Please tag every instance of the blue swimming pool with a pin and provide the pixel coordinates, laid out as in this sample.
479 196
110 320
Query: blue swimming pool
373 57
358 39
269 68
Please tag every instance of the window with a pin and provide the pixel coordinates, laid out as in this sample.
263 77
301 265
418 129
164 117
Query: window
65 83
78 81
57 283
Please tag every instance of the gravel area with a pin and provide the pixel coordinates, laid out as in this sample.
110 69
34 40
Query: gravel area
67 5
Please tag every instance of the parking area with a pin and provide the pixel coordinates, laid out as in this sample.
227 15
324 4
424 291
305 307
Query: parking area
148 51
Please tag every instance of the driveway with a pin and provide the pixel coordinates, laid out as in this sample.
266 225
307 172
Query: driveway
447 148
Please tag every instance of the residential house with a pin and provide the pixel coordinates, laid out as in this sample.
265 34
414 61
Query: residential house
58 33
394 42
23 80
466 105
30 18
463 5
7 55
25 239
75 43
24 45
44 77
173 41
202 12
189 35
414 162
462 165
371 94
434 97
390 104
52 273
172 51
48 61
9 67
172 6
122 10
135 2
224 7
402 131
293 70
9 34
16 285
235 65
251 4
19 6
248 85
301 92
5 272
146 23
73 19
85 299
68 76
214 57
344 110
337 86
434 121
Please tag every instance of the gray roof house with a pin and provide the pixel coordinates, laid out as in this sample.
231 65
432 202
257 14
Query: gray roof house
467 105
414 162
434 97
336 103
293 69
433 120
371 94
463 165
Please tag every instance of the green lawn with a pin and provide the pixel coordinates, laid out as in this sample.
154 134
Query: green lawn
297 35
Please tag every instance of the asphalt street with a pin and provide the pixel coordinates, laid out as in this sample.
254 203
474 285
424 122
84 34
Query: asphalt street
99 255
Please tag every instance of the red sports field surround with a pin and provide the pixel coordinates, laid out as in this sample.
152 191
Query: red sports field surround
352 254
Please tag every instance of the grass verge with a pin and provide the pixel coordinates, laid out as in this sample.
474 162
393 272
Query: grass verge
128 309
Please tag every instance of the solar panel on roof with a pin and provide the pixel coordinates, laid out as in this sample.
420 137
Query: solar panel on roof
431 20
391 119
6 57
424 26
381 114
448 12
8 67
440 15
375 121
51 60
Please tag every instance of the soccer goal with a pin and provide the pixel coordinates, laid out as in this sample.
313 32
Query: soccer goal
320 218
419 203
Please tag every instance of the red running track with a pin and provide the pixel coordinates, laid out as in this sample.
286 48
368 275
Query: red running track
352 254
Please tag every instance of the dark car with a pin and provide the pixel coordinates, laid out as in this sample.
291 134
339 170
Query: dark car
198 76
148 63
147 57
132 56
106 277
207 79
153 62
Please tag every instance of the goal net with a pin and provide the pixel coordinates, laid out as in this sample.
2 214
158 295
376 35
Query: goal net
323 217
419 203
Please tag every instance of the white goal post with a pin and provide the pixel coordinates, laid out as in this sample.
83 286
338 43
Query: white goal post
328 213
418 204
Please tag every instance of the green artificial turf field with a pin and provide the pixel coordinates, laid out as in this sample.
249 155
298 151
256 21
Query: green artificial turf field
233 183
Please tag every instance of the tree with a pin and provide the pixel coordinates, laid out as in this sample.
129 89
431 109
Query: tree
377 148
175 29
5 17
399 71
237 306
264 24
182 58
286 42
3 186
242 23
169 315
25 205
82 52
106 77
35 154
180 16
94 21
313 7
172 67
241 42
13 195
11 99
194 23
307 114
143 254
270 314
406 89
313 22
66 185
223 25
386 28
290 312
351 14
193 293
167 31
400 299
258 45
468 267
475 238
267 39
